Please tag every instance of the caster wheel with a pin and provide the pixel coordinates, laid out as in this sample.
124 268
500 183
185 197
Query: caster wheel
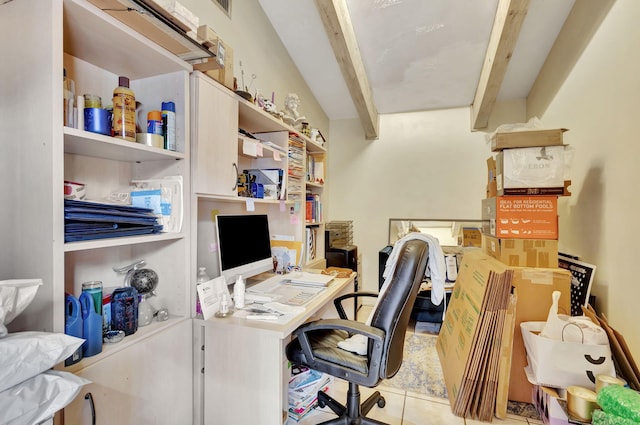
321 404
381 402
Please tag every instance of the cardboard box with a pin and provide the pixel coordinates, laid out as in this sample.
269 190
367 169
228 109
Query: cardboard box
212 42
220 69
533 287
526 139
520 217
492 188
539 168
471 236
522 252
548 405
491 169
179 12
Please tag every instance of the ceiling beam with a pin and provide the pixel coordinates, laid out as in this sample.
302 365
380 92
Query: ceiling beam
510 15
337 24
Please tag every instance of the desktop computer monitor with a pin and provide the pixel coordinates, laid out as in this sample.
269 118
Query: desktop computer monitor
244 245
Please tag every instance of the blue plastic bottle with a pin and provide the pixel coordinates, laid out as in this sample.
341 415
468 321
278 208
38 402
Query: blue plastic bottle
92 326
73 326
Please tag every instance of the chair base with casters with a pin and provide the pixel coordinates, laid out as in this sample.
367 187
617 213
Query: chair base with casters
316 343
354 410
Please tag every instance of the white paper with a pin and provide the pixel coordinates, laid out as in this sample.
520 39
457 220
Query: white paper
249 148
211 293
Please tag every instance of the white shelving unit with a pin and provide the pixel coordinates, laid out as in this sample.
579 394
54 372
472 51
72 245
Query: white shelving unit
218 157
39 153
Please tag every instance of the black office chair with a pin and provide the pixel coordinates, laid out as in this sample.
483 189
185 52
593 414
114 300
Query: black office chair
316 345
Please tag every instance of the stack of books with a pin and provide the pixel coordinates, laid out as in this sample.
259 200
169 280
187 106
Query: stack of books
303 390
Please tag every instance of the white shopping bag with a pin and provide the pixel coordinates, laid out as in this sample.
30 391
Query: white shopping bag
560 364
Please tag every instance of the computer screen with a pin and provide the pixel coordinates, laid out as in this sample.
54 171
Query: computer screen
244 245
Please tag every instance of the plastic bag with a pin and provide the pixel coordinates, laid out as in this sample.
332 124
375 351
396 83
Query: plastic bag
620 401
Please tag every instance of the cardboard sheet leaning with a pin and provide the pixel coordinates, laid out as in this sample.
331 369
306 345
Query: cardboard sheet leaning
459 333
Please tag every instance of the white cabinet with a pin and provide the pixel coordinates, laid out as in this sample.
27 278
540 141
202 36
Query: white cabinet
144 384
38 153
215 126
219 154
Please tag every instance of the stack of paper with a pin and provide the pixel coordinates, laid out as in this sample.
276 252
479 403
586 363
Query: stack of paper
303 390
308 279
84 220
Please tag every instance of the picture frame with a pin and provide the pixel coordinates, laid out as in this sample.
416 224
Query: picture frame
581 281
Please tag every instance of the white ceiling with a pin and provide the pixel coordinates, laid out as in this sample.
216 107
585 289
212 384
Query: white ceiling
418 54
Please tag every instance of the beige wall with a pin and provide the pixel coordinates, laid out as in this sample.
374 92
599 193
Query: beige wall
597 99
430 165
256 44
424 165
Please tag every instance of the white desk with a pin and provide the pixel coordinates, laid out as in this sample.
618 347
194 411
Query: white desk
241 368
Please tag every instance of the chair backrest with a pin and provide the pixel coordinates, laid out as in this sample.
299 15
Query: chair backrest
393 311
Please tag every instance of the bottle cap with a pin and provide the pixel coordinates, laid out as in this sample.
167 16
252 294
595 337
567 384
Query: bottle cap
154 115
168 106
123 81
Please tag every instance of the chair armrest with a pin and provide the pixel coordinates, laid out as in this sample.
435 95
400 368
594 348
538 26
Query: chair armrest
351 326
338 301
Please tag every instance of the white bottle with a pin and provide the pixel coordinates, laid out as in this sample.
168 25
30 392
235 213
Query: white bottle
238 292
169 125
202 277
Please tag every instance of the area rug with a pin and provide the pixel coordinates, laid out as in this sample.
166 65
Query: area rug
421 373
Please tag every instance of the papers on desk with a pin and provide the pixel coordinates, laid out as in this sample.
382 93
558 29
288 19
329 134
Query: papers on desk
276 290
211 294
284 308
308 279
269 311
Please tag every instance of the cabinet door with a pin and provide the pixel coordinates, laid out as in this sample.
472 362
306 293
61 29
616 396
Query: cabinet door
215 137
147 383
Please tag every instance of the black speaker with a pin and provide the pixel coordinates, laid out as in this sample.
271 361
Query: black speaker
345 257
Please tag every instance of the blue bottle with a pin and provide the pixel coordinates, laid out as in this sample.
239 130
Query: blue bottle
91 326
73 326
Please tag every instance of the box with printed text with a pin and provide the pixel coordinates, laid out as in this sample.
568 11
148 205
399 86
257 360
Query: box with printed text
531 171
520 217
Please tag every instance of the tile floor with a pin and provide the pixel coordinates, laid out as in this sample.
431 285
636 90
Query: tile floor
404 407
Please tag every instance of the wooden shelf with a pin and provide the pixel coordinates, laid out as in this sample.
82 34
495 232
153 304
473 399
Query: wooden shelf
121 241
255 120
82 142
239 199
269 150
316 185
110 349
84 37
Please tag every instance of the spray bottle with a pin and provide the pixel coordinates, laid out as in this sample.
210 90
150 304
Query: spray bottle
238 292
